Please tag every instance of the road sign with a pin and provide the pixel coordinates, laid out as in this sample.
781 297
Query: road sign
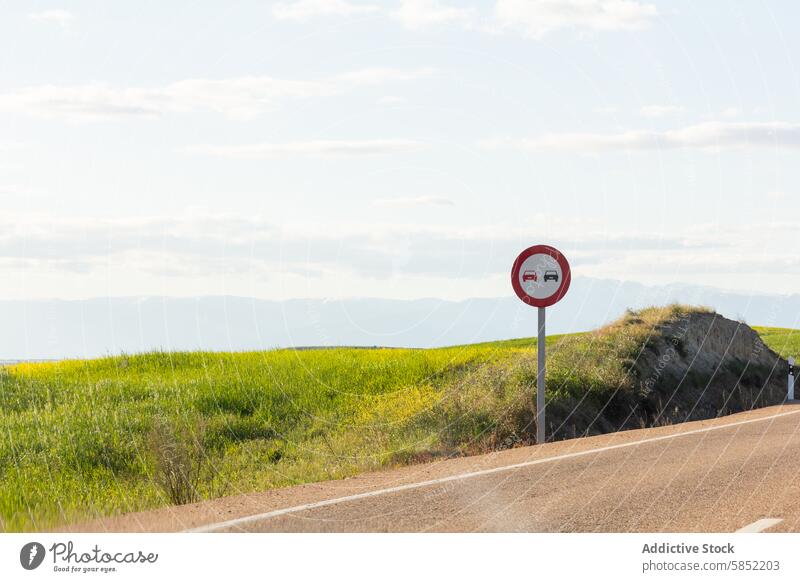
540 277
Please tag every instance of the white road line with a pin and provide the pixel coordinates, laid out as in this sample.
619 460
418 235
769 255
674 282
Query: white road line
419 485
759 525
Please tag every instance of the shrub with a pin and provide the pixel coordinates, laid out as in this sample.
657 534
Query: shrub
180 460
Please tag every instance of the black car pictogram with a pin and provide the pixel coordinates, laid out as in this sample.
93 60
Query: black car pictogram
550 276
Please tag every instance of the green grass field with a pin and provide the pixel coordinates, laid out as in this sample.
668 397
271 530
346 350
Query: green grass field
784 341
82 439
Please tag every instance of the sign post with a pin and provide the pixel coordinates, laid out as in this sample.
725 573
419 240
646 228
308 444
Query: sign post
540 277
790 392
541 355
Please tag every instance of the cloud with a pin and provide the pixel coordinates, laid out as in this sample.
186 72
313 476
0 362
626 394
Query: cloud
420 14
238 97
241 97
62 18
364 147
12 189
205 245
381 75
391 100
660 110
415 201
606 110
731 112
205 254
700 136
7 146
536 18
305 9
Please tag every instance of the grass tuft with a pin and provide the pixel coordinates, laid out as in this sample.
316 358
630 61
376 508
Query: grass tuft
179 460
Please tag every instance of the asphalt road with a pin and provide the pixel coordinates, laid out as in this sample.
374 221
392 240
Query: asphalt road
720 475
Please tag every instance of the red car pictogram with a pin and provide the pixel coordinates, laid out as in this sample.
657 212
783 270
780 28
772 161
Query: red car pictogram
530 276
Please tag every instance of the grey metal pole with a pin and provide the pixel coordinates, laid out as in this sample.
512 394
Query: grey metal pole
540 374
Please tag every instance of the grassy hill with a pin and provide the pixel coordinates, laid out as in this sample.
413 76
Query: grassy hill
80 439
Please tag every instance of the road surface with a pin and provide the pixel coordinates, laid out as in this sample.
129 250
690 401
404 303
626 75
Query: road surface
740 472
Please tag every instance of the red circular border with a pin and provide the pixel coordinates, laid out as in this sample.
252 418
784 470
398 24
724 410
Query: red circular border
566 277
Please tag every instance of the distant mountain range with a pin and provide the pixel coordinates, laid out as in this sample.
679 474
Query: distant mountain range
93 327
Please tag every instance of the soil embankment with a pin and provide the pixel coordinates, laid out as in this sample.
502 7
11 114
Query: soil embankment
690 365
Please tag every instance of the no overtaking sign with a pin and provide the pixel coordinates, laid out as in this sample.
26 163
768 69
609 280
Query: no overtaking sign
540 277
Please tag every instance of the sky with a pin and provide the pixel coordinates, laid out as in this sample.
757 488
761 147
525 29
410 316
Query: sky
401 149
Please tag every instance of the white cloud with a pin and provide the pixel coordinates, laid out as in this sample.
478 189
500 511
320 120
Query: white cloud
7 146
702 136
62 18
606 110
538 17
204 254
660 110
419 14
239 97
391 100
534 17
365 147
9 189
305 9
232 242
231 246
381 75
731 112
415 201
